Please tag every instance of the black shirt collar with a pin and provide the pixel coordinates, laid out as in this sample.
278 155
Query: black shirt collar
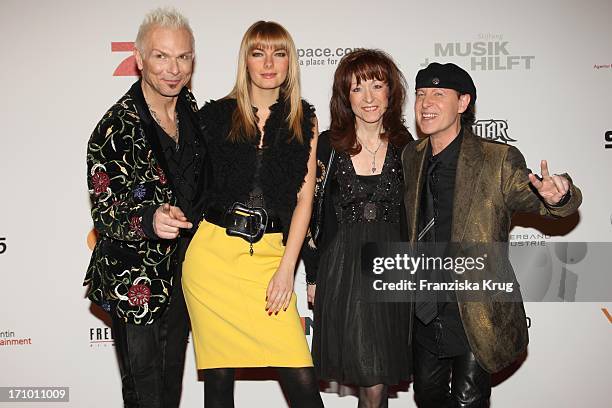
450 153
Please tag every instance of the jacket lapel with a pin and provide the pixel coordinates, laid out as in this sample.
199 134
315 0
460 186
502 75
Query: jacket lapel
469 168
413 176
150 132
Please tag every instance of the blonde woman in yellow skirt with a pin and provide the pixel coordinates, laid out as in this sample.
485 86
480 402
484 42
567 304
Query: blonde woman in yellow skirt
239 269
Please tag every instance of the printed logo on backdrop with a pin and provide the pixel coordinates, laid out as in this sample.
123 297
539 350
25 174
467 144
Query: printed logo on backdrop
308 57
128 66
602 67
307 324
92 238
529 239
607 313
489 52
608 139
321 56
101 337
8 338
538 273
492 129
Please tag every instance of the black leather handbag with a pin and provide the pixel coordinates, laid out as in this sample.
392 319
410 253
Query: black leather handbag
316 221
248 223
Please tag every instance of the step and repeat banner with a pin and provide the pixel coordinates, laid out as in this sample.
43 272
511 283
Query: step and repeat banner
544 79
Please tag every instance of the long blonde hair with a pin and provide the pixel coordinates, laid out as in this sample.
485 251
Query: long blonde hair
265 34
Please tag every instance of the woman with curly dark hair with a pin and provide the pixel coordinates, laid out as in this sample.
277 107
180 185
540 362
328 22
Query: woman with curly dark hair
357 342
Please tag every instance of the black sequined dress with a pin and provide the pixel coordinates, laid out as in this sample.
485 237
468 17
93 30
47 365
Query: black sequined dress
357 342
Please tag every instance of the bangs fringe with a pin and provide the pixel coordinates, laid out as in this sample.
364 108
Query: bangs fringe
269 38
366 70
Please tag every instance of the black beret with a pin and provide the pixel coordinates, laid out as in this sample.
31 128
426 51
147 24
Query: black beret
448 76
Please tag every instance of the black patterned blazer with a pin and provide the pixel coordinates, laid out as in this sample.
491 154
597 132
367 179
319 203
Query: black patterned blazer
131 270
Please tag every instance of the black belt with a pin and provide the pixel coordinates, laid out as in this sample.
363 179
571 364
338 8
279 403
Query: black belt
224 219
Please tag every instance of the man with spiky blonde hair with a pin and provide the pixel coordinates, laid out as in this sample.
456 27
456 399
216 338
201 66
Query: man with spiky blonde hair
162 17
145 174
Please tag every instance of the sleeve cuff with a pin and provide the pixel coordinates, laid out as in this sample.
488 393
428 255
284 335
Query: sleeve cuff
564 200
147 223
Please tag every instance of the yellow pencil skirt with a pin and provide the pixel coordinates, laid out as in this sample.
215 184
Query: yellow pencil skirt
225 291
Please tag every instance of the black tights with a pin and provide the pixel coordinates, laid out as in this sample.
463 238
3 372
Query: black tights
299 385
219 388
373 397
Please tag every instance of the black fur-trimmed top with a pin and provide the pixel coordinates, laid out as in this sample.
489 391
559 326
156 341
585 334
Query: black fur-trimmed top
284 162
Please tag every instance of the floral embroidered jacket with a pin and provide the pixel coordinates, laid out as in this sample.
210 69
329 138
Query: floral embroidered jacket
131 270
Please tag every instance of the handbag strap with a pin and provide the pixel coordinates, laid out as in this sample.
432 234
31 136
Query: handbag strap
319 204
328 170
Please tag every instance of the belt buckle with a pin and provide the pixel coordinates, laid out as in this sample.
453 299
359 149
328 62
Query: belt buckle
248 223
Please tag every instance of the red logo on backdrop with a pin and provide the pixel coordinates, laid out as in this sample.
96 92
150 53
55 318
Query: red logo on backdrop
606 313
128 66
307 324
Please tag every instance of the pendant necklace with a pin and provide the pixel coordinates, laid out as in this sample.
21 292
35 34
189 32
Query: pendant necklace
174 137
373 153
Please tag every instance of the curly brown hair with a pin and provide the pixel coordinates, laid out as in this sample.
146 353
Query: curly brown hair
366 64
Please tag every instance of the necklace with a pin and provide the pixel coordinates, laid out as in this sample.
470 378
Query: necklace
373 153
174 137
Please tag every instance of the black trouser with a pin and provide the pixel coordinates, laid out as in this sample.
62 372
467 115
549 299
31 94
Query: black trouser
152 357
449 382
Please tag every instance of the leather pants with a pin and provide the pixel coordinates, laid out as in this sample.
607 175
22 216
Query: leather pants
449 382
152 357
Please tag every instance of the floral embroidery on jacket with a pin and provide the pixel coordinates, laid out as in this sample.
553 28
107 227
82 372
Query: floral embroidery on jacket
129 274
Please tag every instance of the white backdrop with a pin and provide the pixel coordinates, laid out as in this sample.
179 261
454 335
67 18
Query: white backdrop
546 81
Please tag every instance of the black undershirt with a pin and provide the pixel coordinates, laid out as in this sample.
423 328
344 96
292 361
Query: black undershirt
444 336
181 158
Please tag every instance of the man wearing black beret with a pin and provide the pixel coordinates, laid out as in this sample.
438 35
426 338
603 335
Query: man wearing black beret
463 189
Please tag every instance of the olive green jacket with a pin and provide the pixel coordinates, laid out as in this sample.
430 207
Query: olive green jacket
491 185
